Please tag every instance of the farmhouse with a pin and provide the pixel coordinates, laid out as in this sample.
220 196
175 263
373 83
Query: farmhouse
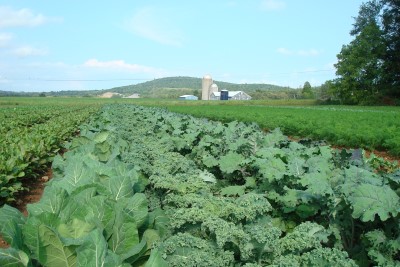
232 95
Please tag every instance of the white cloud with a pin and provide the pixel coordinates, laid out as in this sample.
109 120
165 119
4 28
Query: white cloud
119 65
5 38
307 53
310 52
10 17
148 23
284 51
272 4
26 51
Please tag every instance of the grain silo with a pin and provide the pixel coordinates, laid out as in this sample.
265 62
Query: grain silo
213 89
205 87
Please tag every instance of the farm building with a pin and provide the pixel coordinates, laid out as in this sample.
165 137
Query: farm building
188 97
232 95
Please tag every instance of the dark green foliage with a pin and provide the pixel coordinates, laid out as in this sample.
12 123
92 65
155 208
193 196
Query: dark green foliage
30 138
307 91
174 190
369 128
368 67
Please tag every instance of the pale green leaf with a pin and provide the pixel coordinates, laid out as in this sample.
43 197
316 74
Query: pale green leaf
11 221
369 200
12 257
136 207
93 251
120 187
124 235
101 137
156 259
230 162
55 253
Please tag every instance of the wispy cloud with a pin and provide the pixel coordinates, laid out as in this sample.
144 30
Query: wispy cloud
307 53
26 51
5 39
155 26
284 51
10 17
120 65
272 4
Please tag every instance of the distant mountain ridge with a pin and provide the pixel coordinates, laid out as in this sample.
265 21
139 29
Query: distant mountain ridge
190 83
169 87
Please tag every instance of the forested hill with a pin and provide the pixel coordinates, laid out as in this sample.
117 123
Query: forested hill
169 87
190 83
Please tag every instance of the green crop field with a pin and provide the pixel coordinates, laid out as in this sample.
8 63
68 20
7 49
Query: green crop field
142 186
369 128
30 136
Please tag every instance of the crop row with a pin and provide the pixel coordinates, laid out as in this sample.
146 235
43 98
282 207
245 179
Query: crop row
30 138
143 186
20 118
350 127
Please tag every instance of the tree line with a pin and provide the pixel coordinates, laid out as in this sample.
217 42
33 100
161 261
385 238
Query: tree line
368 68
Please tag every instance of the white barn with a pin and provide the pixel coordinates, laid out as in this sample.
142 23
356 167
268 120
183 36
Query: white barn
232 95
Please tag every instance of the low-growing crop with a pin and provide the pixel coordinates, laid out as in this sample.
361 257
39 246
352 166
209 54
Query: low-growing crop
144 186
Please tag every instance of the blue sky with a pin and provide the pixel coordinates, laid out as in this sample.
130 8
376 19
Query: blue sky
76 45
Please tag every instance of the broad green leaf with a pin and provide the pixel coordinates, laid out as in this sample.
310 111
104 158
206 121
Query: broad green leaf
12 257
74 209
55 252
93 251
124 235
76 174
230 162
271 169
156 259
102 211
273 138
296 167
316 184
136 207
369 200
209 161
75 229
53 200
11 221
120 187
101 137
135 252
30 231
151 236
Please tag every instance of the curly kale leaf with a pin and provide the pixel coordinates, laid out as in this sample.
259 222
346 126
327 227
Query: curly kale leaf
304 237
196 208
381 249
225 232
318 257
185 250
